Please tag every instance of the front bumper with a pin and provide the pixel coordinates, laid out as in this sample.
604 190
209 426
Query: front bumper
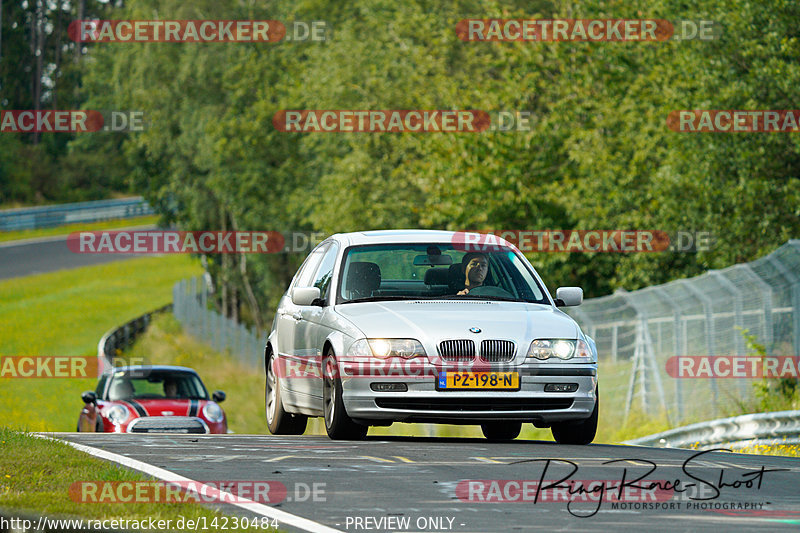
171 424
422 402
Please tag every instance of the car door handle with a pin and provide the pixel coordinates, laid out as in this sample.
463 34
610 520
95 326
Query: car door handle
297 315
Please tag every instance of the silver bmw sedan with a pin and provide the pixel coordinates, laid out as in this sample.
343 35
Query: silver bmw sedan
428 326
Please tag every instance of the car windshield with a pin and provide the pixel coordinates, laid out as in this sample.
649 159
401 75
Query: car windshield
137 385
441 270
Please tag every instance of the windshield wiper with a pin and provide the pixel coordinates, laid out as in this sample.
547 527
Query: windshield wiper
380 298
482 297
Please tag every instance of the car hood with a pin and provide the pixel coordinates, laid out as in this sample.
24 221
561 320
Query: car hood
434 320
165 407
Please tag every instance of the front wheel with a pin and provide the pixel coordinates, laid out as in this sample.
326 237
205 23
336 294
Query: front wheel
501 430
278 420
337 423
581 432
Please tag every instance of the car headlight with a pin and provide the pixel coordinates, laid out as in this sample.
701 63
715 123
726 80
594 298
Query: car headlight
560 348
117 414
385 348
213 412
360 348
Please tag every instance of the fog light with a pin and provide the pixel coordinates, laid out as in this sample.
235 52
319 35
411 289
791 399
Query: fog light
388 387
561 387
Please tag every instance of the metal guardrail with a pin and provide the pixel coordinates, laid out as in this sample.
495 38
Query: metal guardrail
117 339
57 215
780 427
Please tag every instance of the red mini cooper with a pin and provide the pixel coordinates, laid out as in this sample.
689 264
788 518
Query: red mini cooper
152 399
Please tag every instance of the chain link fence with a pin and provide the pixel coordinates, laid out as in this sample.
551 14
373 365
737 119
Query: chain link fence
190 307
637 332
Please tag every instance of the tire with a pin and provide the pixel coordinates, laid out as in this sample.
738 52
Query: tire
338 424
500 431
279 421
581 432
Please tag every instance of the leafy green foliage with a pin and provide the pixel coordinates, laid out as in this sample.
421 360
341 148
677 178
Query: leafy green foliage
598 155
772 394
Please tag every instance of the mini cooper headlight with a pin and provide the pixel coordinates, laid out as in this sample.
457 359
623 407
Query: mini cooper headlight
117 414
213 412
560 348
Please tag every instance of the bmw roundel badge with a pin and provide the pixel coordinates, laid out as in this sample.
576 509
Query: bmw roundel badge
475 330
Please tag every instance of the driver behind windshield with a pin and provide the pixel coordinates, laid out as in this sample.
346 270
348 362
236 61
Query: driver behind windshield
474 267
170 388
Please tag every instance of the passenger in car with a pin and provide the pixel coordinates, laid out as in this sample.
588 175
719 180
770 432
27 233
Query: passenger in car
170 389
474 267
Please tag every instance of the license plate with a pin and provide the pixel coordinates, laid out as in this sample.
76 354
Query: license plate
478 381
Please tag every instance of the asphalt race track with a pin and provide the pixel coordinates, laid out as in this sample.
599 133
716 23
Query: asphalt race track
361 485
47 255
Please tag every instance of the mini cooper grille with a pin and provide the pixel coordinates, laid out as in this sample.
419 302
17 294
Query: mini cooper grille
493 351
167 424
457 350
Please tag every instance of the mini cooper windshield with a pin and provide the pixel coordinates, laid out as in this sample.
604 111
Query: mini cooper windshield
156 384
440 271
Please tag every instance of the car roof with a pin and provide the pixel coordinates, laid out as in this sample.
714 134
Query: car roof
151 368
396 236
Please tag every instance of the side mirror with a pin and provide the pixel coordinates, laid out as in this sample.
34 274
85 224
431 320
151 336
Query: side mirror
89 397
569 296
218 396
305 295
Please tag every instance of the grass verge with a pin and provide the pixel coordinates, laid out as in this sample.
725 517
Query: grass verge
51 467
6 236
66 313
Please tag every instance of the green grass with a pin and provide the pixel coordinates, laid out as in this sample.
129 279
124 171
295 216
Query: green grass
6 236
36 474
66 313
